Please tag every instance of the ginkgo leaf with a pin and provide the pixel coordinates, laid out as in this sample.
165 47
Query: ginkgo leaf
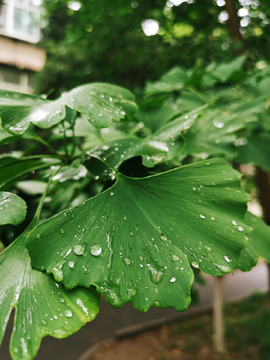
12 208
135 240
259 238
43 307
161 146
100 103
255 149
12 168
213 133
172 80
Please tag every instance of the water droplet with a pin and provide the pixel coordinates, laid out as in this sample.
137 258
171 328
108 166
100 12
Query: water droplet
79 249
127 261
228 258
111 193
239 228
43 322
96 250
68 313
125 217
62 231
57 273
62 300
71 264
175 258
38 236
202 216
131 233
234 223
213 218
163 238
195 264
172 279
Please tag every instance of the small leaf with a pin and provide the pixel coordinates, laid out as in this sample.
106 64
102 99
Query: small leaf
12 168
255 149
100 103
43 307
213 133
173 80
259 238
134 240
12 208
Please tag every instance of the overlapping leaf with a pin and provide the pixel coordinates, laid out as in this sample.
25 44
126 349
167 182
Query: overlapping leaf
135 240
173 80
214 133
12 208
259 238
161 146
43 307
12 168
100 103
255 149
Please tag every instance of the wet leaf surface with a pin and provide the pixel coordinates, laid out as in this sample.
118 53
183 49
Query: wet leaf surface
135 240
43 306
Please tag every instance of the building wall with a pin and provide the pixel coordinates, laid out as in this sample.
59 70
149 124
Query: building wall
20 58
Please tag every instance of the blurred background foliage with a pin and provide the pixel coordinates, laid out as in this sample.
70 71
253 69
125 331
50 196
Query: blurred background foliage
88 41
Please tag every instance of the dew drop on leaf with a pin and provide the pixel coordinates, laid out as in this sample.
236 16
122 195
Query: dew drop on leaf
43 322
127 261
38 236
71 264
96 250
175 258
195 264
227 258
79 249
172 279
239 228
62 231
68 313
202 216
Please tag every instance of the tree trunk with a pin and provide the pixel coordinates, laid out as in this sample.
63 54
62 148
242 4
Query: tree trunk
263 185
234 26
218 315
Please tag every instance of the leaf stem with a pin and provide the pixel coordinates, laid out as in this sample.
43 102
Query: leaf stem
40 205
45 143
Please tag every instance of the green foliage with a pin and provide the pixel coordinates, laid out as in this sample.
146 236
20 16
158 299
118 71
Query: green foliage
122 204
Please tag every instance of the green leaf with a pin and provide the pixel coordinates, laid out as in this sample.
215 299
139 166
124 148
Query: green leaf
12 208
135 240
12 168
100 103
173 80
224 71
213 133
43 307
248 258
259 238
161 146
32 187
255 149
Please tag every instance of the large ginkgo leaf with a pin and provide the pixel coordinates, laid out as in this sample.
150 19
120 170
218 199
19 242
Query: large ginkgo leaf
43 307
135 240
12 208
100 103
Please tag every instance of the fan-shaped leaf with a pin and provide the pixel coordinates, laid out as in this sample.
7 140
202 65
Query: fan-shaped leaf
43 307
100 103
12 208
134 240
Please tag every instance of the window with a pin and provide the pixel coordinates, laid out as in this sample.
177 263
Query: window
21 19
